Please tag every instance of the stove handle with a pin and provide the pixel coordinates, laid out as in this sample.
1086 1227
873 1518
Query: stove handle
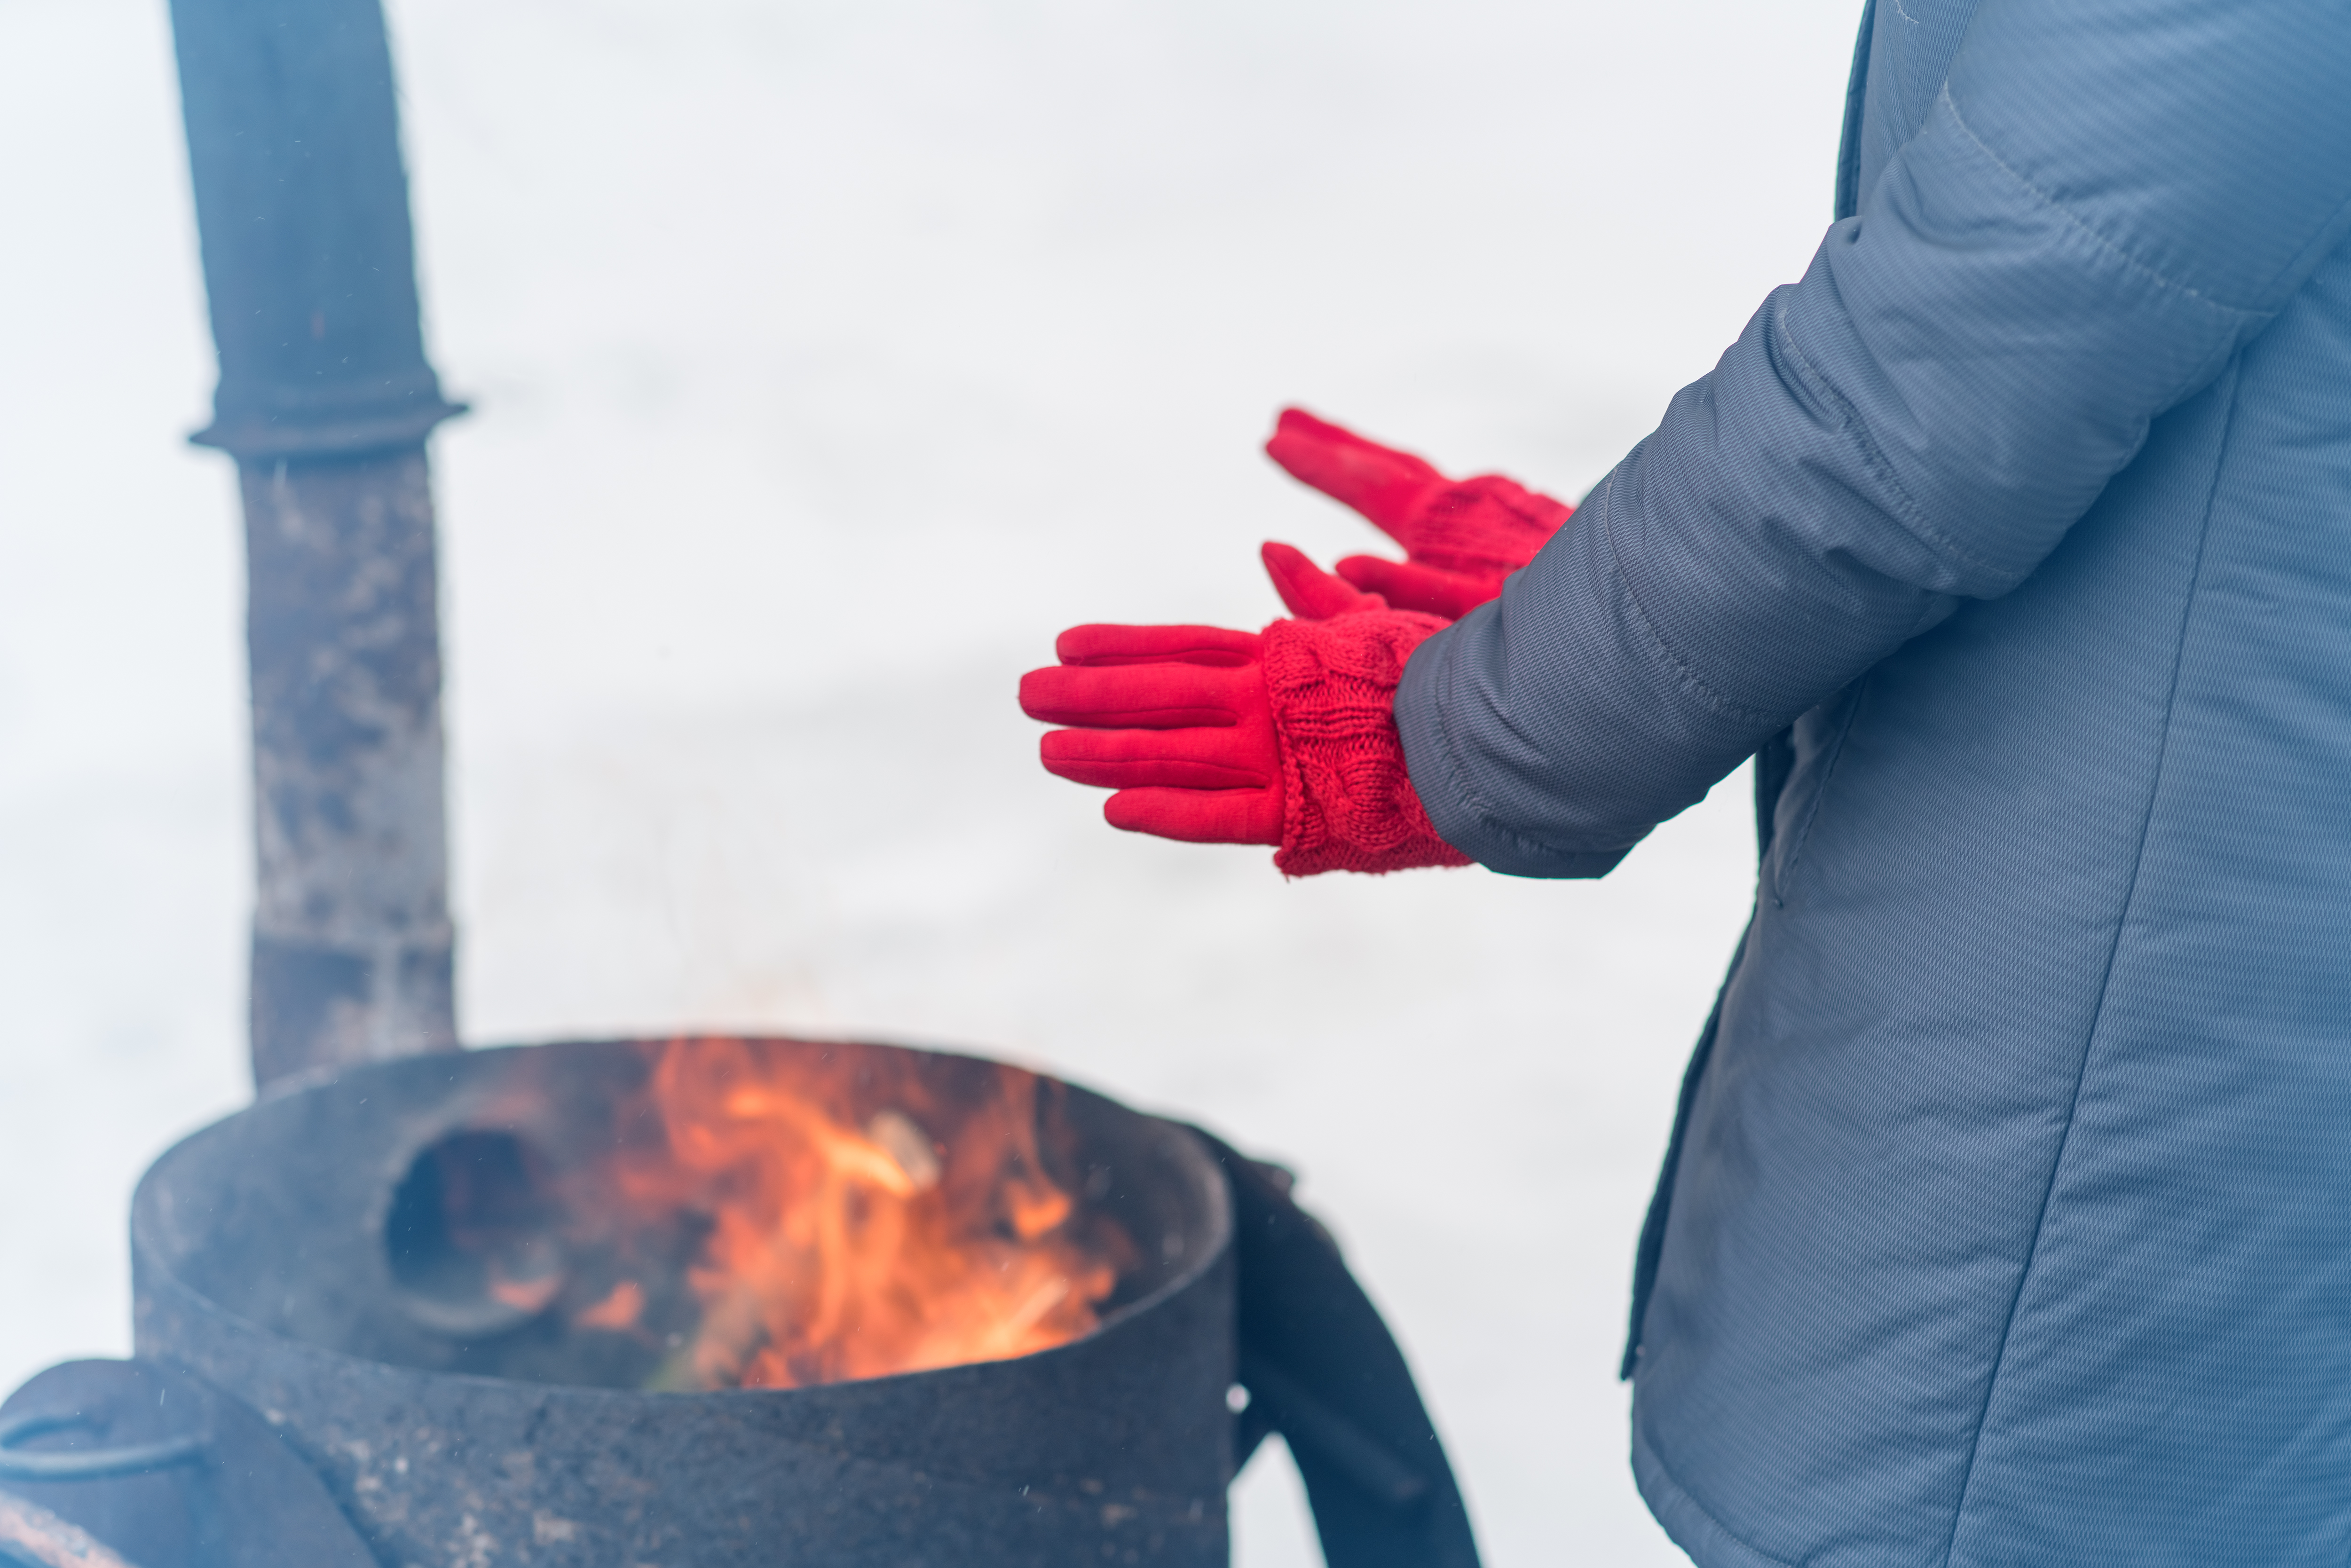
1321 1368
1277 1403
88 1464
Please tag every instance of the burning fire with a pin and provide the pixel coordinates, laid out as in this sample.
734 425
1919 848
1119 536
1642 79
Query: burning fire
859 1217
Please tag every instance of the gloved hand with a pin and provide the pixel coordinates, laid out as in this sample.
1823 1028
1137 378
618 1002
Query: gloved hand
1175 720
1285 737
1461 539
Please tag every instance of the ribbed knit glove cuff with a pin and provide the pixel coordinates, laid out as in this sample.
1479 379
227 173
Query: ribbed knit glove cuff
1348 804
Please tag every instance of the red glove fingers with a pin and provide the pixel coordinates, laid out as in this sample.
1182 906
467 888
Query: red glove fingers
1409 587
1100 646
1199 816
1286 738
1386 486
1310 593
1236 757
1175 720
1461 539
1143 696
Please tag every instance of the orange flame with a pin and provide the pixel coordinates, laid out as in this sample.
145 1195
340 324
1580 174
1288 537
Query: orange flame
861 1220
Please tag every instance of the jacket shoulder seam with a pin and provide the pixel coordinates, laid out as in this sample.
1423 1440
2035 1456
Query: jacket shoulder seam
2075 222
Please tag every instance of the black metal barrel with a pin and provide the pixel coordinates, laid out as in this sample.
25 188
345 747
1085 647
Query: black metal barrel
266 1254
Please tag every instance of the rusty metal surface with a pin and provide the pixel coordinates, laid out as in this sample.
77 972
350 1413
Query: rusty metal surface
261 1261
351 940
324 399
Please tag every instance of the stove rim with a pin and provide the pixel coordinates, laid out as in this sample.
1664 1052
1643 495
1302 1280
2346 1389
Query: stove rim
147 1252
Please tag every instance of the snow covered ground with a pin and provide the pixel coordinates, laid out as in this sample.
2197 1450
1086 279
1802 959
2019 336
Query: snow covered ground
830 357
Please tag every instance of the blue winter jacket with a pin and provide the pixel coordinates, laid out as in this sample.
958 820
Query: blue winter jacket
2009 1215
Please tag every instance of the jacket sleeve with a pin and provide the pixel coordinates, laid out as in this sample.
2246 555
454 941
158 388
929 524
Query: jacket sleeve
2107 201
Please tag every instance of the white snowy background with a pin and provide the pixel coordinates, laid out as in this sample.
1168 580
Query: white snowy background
830 357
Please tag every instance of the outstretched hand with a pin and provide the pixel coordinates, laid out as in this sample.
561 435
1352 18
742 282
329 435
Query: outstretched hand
1175 720
1287 736
1462 539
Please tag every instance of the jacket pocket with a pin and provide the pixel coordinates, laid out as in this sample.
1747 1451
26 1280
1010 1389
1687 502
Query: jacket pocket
1826 728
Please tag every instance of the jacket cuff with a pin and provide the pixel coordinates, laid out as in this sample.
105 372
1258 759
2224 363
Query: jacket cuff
1438 783
1347 801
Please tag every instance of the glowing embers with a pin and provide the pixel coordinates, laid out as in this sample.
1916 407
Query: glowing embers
774 1220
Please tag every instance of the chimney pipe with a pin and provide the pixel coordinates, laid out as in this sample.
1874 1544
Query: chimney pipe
325 401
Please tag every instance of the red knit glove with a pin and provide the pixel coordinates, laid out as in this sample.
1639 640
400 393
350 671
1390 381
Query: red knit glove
1284 737
1460 539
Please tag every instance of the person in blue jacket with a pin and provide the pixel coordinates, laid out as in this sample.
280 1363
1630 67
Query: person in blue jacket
2007 1218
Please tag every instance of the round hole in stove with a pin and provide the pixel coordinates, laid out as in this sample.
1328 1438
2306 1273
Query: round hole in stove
473 1235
